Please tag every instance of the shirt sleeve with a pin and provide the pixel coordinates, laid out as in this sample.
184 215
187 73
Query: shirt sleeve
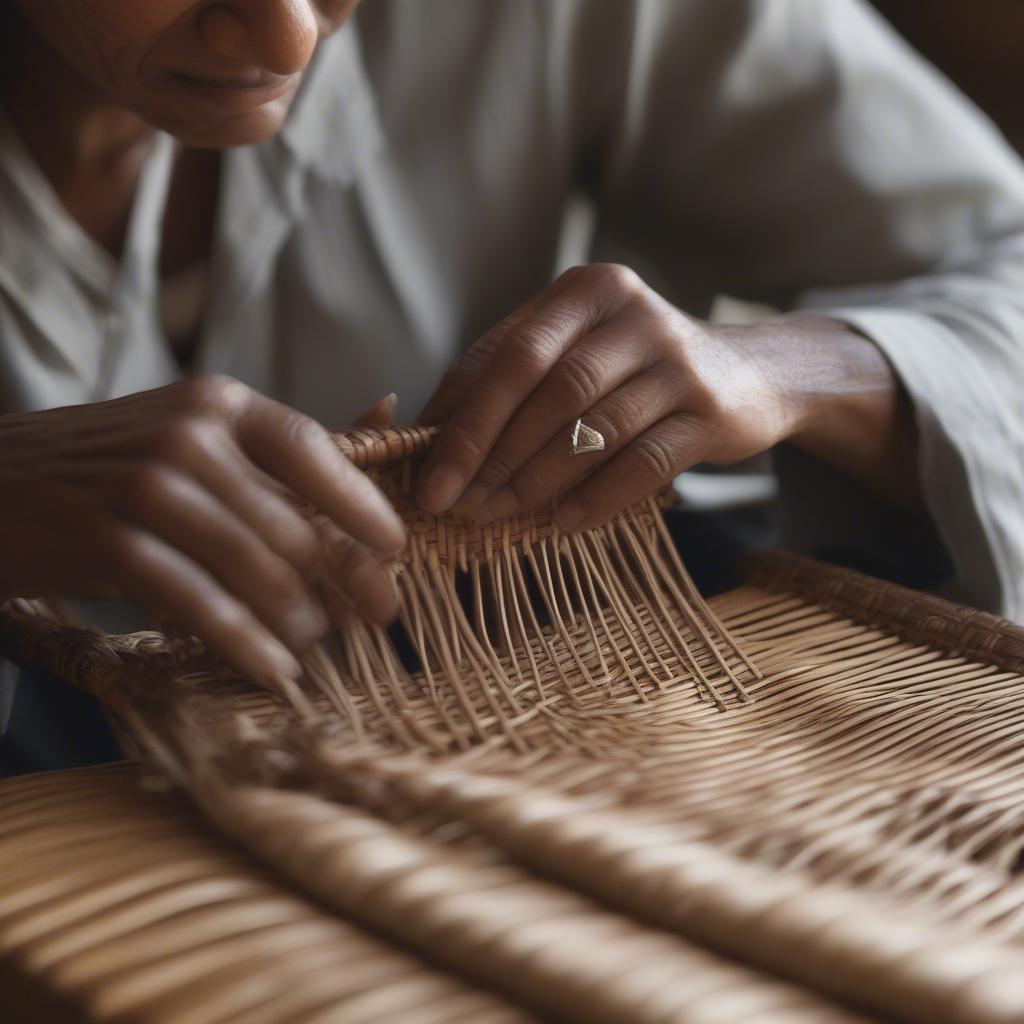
798 152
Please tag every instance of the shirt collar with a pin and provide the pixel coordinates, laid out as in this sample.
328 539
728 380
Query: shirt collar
37 225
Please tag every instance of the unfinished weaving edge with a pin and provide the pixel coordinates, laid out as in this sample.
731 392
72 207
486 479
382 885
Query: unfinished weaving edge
874 779
921 981
505 621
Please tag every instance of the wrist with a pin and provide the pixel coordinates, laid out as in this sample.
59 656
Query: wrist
794 360
826 378
841 400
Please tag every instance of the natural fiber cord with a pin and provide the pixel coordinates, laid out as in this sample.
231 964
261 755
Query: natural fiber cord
564 792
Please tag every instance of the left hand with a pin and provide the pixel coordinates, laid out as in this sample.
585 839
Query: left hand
666 391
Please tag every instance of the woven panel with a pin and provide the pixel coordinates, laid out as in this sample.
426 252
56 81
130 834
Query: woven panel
125 905
854 831
589 817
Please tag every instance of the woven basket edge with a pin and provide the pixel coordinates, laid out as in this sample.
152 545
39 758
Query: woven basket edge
913 615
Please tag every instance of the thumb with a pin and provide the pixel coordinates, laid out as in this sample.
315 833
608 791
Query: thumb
380 414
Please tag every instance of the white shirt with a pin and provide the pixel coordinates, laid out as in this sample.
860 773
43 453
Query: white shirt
787 151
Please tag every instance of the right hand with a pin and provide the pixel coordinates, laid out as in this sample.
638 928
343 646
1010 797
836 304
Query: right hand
185 500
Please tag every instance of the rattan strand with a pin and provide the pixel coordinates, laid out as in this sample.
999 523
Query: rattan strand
125 903
567 814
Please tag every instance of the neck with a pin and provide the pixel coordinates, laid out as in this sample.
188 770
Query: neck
90 149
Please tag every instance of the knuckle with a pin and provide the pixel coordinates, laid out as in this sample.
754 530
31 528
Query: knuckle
227 618
184 439
538 342
467 368
480 352
494 471
654 456
303 432
576 273
465 439
612 421
616 276
216 394
627 412
578 382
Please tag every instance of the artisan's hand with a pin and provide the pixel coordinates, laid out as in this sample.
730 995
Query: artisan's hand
666 391
185 499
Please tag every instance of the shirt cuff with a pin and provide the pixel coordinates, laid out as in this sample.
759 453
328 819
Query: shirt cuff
973 501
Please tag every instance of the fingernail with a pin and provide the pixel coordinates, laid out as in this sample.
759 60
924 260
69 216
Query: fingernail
279 661
503 504
397 539
569 515
305 623
442 487
373 590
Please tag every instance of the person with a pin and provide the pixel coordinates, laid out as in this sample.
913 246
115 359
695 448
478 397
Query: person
224 223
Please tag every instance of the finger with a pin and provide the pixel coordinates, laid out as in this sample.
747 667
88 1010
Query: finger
185 515
300 453
590 370
357 580
619 417
265 504
526 355
205 449
380 414
672 445
173 587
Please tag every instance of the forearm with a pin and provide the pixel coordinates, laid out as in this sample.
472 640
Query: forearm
844 404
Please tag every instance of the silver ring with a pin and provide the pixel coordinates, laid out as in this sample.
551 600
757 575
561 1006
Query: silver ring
585 439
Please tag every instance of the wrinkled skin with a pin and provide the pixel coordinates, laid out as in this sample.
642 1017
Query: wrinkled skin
188 499
211 73
666 390
184 498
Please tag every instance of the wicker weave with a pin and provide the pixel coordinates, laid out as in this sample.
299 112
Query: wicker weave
841 845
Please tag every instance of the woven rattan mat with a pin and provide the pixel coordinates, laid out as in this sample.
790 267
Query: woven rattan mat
804 803
849 838
126 906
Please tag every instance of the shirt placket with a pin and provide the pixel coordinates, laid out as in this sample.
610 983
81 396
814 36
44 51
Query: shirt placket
135 354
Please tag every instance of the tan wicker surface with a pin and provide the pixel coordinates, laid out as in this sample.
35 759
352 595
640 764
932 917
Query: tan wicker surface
834 840
124 903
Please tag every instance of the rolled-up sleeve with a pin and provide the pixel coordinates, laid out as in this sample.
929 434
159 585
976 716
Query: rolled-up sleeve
808 158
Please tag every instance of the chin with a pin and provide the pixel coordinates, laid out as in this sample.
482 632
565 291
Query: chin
211 128
237 130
